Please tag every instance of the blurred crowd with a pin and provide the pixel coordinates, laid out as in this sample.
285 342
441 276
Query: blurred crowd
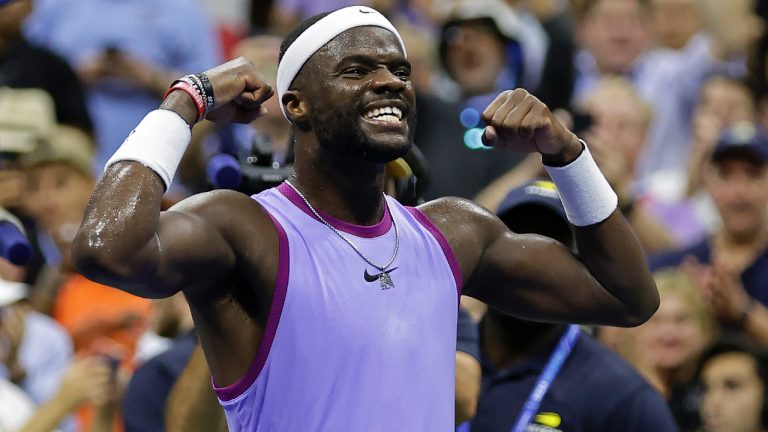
671 96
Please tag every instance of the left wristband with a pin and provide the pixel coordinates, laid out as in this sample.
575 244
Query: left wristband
586 195
158 142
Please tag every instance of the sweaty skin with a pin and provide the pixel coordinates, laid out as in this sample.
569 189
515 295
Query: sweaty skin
220 247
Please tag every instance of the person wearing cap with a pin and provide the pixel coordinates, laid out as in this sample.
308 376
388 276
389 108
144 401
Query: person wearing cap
296 336
594 390
731 265
481 55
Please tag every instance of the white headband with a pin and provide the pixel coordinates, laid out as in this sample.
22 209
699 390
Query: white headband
319 34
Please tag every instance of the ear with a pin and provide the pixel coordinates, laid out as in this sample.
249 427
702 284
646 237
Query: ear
296 108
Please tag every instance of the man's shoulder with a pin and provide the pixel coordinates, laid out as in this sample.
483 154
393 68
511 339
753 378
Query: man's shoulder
452 210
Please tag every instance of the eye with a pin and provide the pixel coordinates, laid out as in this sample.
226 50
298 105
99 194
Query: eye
355 71
403 73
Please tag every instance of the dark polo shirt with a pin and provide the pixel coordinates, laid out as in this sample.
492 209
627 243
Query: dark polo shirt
595 391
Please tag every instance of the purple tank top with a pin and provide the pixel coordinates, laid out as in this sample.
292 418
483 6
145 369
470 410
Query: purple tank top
339 353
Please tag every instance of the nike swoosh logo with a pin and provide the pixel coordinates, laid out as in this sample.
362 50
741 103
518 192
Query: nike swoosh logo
364 11
371 278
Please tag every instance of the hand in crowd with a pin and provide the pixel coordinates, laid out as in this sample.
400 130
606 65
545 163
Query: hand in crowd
721 287
88 380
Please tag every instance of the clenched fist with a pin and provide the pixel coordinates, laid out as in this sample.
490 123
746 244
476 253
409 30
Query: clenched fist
516 120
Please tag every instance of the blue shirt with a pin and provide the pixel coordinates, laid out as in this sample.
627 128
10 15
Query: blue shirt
594 391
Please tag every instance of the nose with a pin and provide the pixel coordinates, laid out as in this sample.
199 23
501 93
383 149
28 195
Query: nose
384 80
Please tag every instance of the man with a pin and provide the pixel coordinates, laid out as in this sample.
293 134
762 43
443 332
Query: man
518 351
731 264
296 338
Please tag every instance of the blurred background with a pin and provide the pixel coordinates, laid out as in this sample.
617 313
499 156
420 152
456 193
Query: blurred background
670 95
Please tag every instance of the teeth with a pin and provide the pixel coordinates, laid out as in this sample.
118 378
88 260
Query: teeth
383 113
388 118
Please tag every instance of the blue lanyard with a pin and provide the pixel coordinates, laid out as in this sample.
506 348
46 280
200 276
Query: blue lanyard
555 362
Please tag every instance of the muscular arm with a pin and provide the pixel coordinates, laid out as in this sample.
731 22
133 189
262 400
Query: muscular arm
126 241
537 278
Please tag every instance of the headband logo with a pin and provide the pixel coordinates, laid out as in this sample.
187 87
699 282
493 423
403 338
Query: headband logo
364 11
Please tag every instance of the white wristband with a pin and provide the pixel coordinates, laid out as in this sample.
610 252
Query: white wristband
584 191
158 142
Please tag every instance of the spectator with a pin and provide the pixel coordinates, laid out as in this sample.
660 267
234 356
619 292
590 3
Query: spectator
36 349
480 52
680 199
87 380
616 40
731 265
673 341
518 351
99 318
734 379
27 117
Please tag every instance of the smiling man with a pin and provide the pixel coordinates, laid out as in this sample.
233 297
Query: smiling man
296 336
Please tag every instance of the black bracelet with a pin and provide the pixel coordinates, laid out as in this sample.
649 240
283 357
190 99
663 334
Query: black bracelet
208 90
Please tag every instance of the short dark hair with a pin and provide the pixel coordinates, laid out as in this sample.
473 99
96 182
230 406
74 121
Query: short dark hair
301 28
739 344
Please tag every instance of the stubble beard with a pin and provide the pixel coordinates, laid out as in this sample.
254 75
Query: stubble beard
340 131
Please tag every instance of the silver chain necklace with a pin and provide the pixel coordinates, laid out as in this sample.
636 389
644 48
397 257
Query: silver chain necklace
385 280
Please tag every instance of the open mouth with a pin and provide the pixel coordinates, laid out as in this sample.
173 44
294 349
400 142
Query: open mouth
388 114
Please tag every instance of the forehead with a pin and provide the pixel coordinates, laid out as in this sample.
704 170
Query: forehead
371 41
730 364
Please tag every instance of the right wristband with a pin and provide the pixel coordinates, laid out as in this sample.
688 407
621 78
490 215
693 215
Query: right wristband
158 142
586 195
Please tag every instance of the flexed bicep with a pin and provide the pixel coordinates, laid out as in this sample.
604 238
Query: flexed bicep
126 242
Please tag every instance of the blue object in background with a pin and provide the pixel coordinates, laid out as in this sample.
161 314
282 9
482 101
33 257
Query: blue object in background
14 247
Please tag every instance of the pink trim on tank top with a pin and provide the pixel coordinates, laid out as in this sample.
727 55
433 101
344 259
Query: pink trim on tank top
275 311
371 231
438 235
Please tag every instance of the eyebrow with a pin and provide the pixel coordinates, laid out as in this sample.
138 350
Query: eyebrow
371 61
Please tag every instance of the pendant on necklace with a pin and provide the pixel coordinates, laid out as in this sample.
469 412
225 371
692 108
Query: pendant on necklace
385 280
